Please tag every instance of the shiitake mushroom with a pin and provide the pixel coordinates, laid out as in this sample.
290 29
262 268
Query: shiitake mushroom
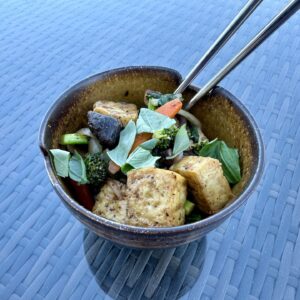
107 129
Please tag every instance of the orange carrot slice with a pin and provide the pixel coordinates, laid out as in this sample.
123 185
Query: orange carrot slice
171 108
139 139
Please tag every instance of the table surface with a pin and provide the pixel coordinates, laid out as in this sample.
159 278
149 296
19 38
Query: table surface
46 47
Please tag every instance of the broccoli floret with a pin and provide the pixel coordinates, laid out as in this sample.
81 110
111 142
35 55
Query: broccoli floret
165 137
96 169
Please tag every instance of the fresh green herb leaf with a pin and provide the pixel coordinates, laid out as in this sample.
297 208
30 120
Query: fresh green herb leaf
77 170
210 149
141 158
182 142
61 162
150 121
120 153
149 145
230 163
229 157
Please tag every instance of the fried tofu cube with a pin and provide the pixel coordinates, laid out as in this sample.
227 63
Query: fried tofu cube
206 182
155 198
111 202
122 111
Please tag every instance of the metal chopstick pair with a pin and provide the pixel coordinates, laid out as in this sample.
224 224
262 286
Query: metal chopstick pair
275 23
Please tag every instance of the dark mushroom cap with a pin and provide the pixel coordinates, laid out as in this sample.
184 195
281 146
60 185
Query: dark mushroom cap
107 129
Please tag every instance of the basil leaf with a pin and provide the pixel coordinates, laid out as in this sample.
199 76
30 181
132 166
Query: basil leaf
61 162
211 149
120 153
141 158
182 142
77 170
229 157
230 162
150 121
149 145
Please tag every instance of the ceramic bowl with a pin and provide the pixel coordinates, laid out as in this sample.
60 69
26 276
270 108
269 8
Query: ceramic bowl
221 114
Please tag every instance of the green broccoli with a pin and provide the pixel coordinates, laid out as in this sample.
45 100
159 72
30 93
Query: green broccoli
165 137
96 169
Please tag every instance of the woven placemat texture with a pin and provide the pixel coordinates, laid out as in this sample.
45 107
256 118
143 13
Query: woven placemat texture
46 47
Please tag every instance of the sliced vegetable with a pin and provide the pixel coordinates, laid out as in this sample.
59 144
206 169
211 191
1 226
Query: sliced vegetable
83 194
190 117
229 157
126 168
77 170
61 162
85 131
140 139
150 121
182 142
73 139
188 207
127 137
94 146
107 129
171 108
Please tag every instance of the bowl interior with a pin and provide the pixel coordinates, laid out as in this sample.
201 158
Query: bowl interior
222 116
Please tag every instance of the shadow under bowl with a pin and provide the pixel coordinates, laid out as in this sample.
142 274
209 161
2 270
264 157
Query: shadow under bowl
221 114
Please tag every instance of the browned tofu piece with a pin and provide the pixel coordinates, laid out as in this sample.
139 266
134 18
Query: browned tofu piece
111 202
122 111
206 181
155 198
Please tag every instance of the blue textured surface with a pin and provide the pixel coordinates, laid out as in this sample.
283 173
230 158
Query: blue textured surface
47 46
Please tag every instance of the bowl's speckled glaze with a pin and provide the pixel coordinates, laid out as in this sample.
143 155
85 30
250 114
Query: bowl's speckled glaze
221 115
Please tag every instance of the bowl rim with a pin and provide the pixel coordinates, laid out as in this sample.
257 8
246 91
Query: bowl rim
205 223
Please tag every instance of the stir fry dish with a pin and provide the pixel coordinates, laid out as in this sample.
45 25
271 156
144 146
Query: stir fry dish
149 167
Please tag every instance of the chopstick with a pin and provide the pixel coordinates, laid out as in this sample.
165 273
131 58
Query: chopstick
272 26
220 41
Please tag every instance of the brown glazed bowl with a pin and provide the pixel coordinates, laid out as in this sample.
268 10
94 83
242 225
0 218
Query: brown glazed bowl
221 115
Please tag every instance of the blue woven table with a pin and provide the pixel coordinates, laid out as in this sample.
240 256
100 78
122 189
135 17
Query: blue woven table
46 47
